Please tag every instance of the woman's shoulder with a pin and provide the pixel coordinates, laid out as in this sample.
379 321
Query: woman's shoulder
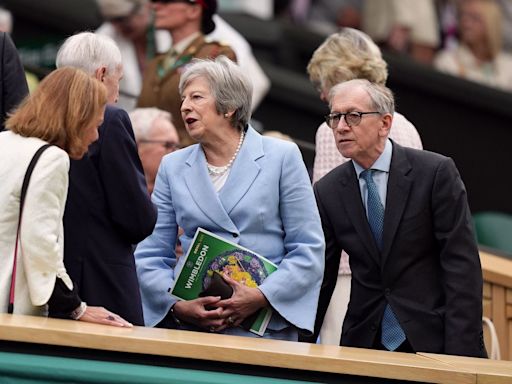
278 140
23 149
22 144
279 148
179 157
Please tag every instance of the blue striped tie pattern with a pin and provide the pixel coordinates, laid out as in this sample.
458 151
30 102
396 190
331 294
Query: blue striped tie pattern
375 207
392 335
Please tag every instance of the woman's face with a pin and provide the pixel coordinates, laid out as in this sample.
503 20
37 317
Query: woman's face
91 130
472 23
199 112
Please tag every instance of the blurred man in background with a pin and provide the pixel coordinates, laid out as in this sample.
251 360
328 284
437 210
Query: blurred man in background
156 136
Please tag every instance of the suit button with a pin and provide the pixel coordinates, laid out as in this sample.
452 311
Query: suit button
387 292
235 235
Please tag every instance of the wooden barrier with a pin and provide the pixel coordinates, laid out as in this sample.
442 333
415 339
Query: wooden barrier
289 360
487 371
497 273
339 362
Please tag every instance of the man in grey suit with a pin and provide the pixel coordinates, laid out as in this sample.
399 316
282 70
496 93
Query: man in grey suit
403 216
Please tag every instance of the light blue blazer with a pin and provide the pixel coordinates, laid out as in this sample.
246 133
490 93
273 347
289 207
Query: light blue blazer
266 205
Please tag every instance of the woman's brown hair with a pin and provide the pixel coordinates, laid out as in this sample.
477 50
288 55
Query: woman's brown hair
66 101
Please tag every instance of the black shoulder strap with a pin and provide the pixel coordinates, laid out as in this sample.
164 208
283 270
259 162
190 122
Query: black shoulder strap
26 180
24 188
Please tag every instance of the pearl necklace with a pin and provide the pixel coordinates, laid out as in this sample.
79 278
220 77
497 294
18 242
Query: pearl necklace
219 171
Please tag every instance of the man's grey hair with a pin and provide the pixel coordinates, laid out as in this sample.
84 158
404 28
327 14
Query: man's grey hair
230 87
382 99
142 121
88 52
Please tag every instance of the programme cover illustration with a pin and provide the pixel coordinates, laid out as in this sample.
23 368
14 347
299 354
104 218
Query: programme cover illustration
210 253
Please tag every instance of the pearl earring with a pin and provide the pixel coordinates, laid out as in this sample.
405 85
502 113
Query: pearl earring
226 115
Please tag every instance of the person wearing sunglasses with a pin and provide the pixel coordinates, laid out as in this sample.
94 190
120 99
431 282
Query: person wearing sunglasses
188 21
403 217
346 55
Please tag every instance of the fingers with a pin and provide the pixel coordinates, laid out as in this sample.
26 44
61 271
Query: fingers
118 321
234 320
217 327
230 281
100 315
208 300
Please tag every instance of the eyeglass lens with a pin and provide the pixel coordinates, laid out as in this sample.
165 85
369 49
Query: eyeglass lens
351 118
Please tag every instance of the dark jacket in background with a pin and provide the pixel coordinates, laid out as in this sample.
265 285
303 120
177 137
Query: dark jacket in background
108 211
13 84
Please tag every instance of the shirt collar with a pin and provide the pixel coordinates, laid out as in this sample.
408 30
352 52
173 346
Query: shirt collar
383 162
180 47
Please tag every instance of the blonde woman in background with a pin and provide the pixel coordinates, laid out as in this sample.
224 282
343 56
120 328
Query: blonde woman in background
479 56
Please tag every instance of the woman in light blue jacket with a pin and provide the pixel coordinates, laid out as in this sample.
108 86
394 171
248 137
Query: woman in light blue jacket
249 189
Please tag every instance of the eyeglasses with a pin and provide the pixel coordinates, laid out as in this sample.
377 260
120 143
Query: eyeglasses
169 145
351 118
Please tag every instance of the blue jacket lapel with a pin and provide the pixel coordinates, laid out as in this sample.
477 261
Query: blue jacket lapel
203 193
244 171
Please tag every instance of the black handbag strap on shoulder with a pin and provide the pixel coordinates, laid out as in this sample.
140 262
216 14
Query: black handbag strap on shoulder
24 188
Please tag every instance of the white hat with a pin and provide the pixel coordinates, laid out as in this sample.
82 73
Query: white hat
111 9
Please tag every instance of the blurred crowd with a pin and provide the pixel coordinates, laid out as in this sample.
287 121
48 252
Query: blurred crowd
471 39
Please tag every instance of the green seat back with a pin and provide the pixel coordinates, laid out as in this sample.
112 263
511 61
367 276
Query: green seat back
494 229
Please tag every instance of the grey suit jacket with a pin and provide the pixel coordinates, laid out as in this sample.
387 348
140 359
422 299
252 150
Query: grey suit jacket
429 268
